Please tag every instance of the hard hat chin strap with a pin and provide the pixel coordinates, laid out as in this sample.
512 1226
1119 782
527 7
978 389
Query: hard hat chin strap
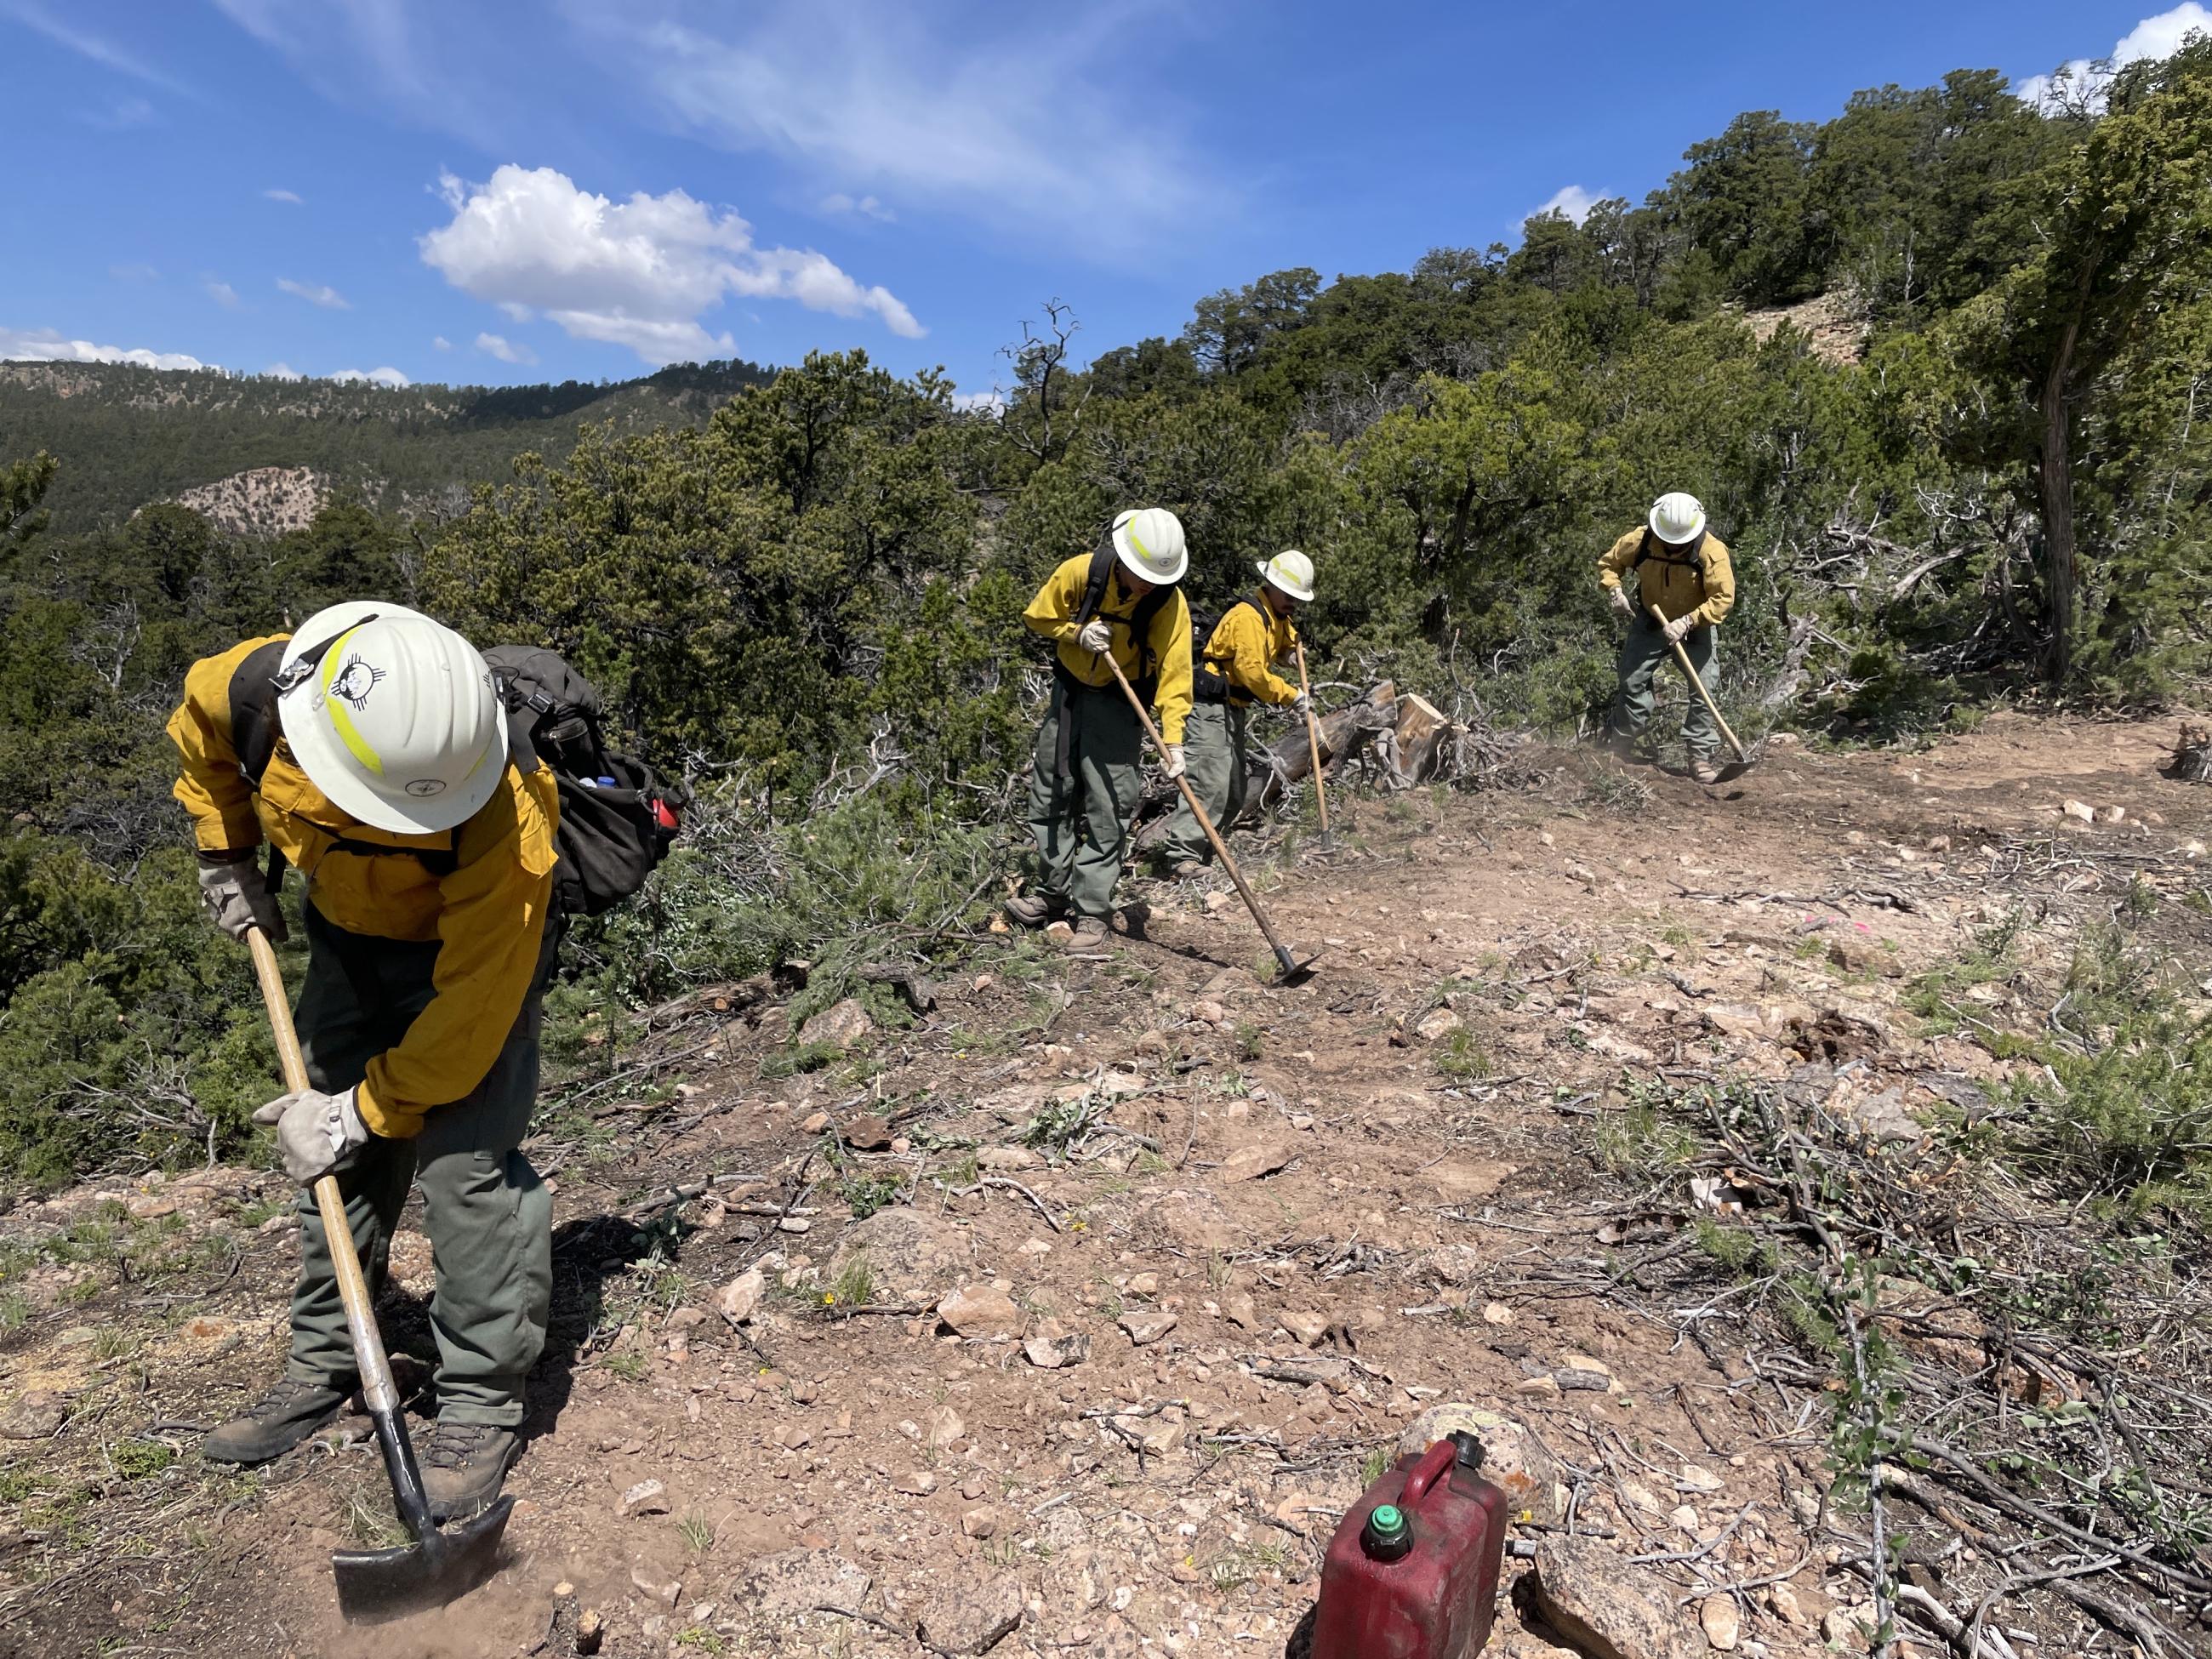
296 672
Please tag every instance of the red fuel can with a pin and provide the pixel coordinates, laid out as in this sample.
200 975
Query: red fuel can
1412 1572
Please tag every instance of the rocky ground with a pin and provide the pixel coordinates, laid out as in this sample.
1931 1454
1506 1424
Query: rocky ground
1070 1317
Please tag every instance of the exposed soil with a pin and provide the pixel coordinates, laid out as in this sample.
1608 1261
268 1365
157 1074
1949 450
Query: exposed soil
1357 1198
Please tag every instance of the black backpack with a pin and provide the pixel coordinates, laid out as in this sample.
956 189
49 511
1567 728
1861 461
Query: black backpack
618 817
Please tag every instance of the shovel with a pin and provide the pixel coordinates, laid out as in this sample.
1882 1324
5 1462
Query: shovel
1313 743
438 1567
1294 970
1745 758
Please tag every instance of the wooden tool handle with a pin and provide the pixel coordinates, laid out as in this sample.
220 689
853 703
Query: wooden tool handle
1313 738
1190 797
353 1288
1698 684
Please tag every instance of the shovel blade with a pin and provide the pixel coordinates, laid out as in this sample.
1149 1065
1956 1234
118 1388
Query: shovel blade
1293 971
443 1565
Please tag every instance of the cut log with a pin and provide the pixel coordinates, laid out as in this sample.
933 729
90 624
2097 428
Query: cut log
1343 734
1421 732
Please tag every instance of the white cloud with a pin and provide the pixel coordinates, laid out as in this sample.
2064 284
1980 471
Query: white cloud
291 197
981 403
34 16
315 293
46 345
638 273
383 377
223 293
1059 132
1573 201
120 115
838 204
2083 81
284 372
441 342
494 345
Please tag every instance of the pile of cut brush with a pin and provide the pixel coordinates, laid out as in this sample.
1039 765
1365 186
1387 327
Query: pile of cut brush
1391 740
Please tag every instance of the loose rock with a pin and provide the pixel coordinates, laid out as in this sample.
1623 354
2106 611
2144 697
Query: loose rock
1057 1350
1249 1162
972 1618
869 1133
795 1583
1722 1623
741 1298
1606 1608
840 1025
911 1257
646 1498
1147 1327
36 1416
980 1311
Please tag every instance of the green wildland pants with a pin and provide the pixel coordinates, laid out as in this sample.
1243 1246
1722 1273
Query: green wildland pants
1081 822
1641 653
1214 761
488 1215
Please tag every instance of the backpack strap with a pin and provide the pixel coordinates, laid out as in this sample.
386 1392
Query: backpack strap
252 699
1694 556
1094 582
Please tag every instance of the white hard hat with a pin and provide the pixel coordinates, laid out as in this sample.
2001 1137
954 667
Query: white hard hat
392 715
1150 542
1290 572
1678 519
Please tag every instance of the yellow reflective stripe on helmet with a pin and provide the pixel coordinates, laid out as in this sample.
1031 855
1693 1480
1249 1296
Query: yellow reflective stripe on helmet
342 722
1137 542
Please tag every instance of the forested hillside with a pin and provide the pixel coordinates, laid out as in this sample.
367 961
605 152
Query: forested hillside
127 436
2009 496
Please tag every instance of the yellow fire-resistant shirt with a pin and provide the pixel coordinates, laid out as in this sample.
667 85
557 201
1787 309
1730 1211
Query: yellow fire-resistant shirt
1245 646
488 915
1670 583
1052 614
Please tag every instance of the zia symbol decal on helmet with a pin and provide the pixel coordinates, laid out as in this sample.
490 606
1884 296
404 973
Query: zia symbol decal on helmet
355 681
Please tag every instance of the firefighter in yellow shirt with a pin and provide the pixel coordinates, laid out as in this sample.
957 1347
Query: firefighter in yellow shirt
1672 561
1086 777
1236 669
369 752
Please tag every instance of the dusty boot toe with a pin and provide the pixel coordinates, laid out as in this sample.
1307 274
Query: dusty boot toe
1705 771
272 1425
464 1466
1035 910
1089 933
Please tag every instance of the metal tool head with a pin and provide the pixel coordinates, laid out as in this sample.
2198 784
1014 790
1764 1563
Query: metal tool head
443 1565
1293 971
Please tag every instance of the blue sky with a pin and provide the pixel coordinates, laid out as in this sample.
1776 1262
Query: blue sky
478 192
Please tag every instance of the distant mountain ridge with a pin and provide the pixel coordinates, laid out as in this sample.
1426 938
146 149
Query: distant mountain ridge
127 436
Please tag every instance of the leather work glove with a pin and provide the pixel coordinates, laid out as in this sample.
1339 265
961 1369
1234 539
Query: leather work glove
1677 630
317 1132
1303 704
1095 635
237 897
1621 602
1171 760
